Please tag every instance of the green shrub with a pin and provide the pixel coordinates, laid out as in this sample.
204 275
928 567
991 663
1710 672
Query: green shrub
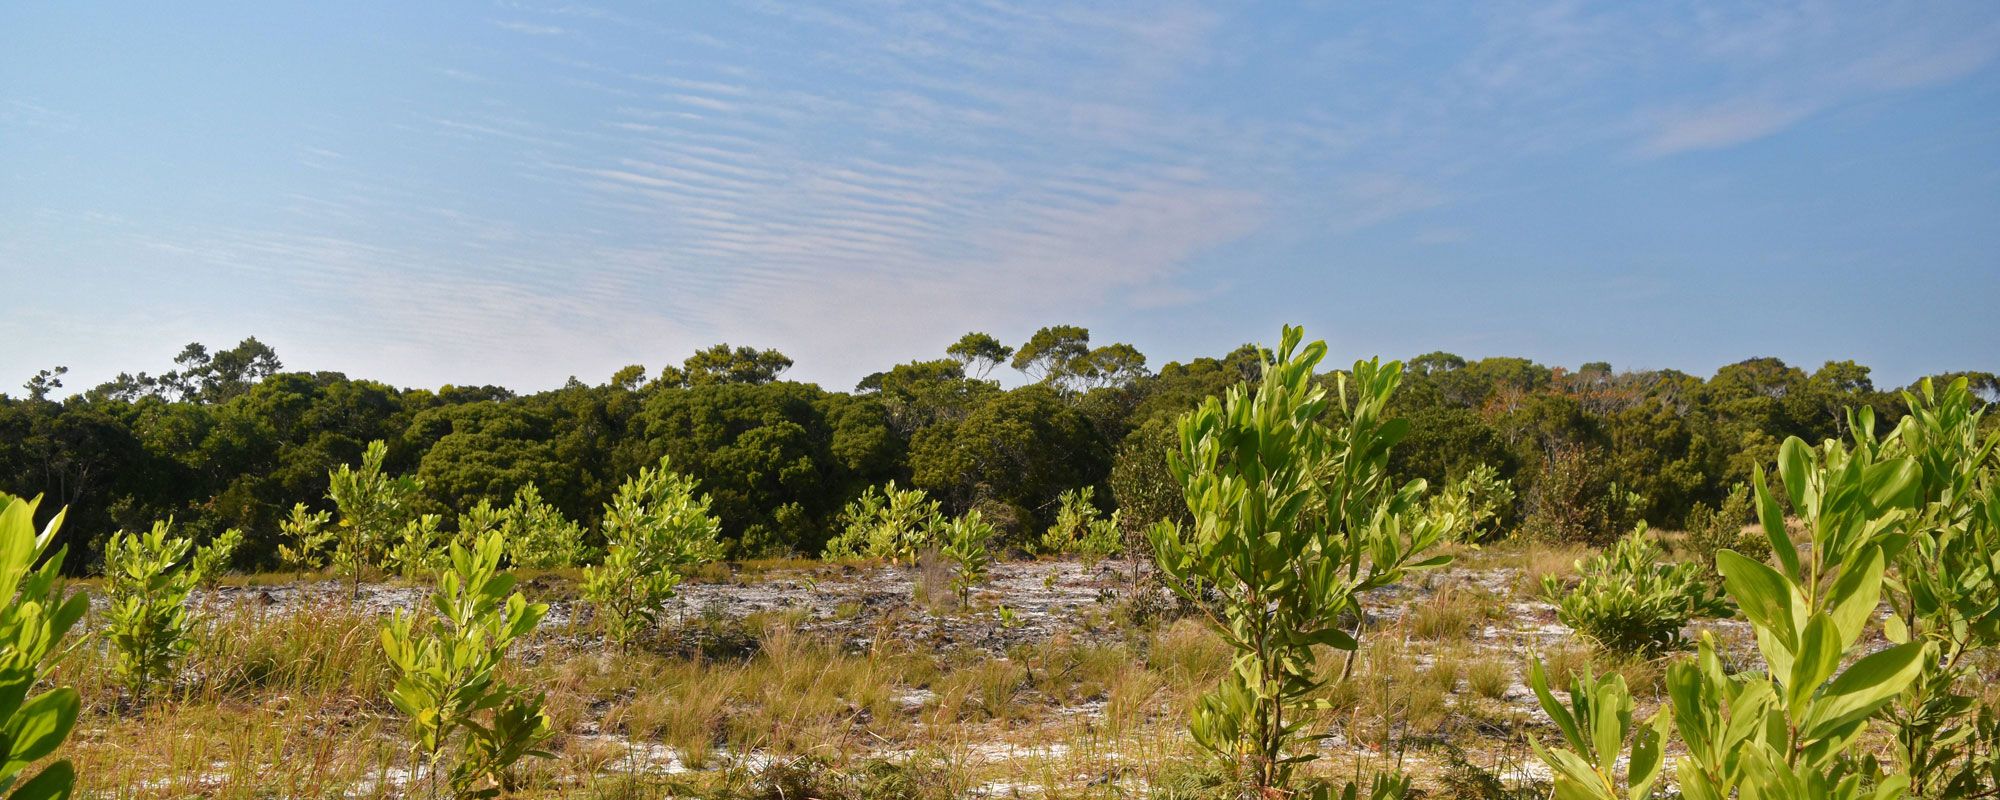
1596 727
148 577
32 627
1713 530
1080 529
1628 601
887 522
213 559
419 548
1292 521
658 528
1949 593
307 536
1572 500
538 535
373 506
448 674
966 546
1795 728
1481 498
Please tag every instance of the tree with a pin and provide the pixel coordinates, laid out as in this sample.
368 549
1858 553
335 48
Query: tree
629 377
979 351
721 364
1020 449
1053 353
779 460
44 382
1112 365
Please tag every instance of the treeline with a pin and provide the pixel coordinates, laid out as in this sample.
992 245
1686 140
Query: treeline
228 439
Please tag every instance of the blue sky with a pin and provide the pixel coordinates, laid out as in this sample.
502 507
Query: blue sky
518 192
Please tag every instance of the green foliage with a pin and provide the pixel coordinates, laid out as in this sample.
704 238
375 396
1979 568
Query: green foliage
32 627
1574 500
1596 729
1292 521
1713 530
538 535
1948 592
658 528
723 364
1080 529
1022 448
887 522
1627 601
373 506
419 548
448 674
148 577
966 546
1792 730
213 559
1144 489
1480 497
308 537
979 350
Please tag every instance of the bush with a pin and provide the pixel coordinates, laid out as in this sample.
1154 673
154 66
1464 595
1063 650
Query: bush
1080 529
966 541
658 528
148 577
887 522
1572 500
1713 530
448 674
538 536
1628 602
1482 498
1293 521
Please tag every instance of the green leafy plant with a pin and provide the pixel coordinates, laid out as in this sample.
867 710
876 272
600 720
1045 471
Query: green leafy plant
538 535
213 559
1573 499
449 681
32 627
308 538
419 548
1947 591
148 577
373 506
1292 521
1597 727
658 528
1481 498
1080 529
887 522
1628 601
1713 530
1791 730
967 541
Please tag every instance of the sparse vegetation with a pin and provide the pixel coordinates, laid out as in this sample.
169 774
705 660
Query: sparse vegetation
1276 644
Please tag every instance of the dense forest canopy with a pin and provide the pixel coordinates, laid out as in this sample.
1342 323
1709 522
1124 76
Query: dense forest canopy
228 439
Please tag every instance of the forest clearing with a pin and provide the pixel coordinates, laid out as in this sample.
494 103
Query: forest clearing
1301 624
